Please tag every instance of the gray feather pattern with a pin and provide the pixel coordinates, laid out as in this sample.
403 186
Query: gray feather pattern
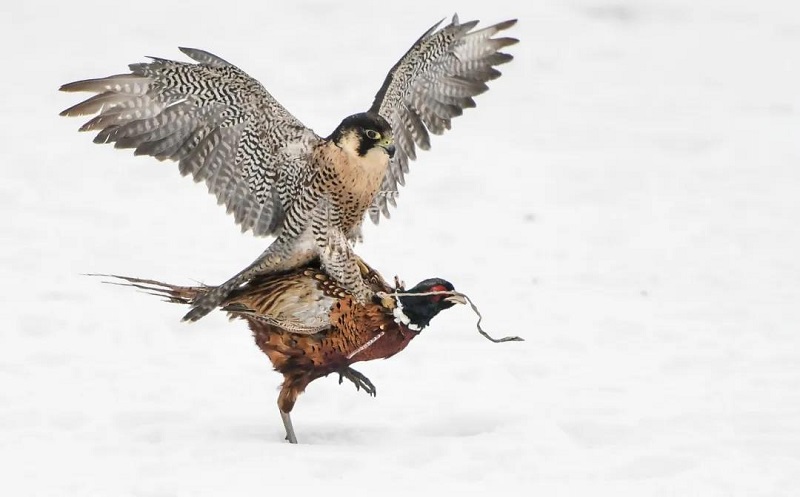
433 83
224 128
204 57
218 123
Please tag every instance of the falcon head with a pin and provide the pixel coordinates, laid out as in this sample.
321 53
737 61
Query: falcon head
416 311
361 133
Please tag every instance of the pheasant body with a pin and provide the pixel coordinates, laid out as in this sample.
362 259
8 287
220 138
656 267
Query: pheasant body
309 326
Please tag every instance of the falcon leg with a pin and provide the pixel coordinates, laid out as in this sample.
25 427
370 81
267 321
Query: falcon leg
359 380
211 300
287 423
281 255
339 261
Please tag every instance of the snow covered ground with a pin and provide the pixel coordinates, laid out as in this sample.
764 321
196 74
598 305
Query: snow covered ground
626 197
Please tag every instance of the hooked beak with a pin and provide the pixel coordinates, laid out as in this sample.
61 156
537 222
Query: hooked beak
388 145
456 299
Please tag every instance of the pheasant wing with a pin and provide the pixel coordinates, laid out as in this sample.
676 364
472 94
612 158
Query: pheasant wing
299 301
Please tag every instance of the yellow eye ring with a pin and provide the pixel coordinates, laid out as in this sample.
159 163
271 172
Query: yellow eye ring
372 134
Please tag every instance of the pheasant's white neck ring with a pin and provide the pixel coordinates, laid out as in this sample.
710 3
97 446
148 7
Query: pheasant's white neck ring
401 318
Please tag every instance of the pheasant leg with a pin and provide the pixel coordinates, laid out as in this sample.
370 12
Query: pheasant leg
358 379
287 423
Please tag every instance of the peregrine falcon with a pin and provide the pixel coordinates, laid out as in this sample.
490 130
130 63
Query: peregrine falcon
277 176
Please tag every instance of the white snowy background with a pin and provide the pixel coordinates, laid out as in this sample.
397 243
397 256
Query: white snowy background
626 197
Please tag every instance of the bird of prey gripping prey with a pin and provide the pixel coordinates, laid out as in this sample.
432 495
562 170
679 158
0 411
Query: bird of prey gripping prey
277 176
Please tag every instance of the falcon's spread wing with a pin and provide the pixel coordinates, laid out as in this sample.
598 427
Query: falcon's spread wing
220 124
434 82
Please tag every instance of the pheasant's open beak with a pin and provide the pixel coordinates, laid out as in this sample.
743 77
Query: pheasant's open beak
456 299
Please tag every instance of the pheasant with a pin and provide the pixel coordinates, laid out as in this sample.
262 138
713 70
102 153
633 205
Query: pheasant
274 174
310 326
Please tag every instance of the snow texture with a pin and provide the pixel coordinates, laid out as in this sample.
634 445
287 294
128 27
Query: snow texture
626 197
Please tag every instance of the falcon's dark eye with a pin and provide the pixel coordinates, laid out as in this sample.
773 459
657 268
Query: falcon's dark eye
372 134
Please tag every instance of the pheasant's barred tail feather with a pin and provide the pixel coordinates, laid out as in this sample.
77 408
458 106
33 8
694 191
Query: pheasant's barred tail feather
170 293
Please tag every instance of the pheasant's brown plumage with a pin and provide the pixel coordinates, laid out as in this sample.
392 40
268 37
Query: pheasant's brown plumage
310 327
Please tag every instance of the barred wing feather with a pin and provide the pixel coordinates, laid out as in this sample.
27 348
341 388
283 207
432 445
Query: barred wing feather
431 84
218 123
